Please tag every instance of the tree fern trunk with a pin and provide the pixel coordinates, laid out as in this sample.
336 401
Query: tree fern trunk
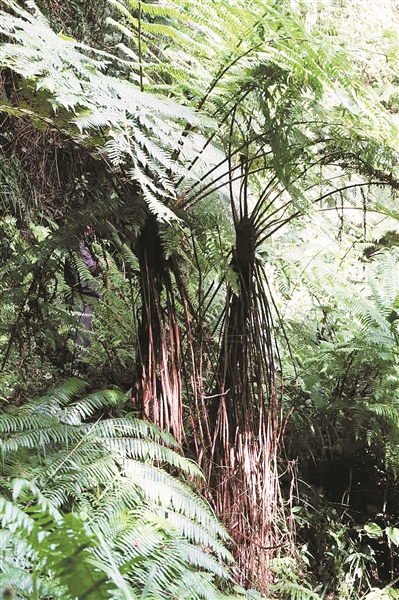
245 423
158 370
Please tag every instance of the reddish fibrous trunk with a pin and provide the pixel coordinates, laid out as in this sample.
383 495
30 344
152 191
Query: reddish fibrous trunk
244 422
158 376
237 428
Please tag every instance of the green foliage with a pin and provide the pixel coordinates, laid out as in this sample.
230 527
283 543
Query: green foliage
122 124
337 307
109 470
274 124
46 554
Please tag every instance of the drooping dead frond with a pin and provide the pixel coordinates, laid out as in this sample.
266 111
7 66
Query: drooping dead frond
242 424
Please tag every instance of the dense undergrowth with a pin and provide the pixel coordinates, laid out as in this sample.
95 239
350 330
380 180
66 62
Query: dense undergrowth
199 301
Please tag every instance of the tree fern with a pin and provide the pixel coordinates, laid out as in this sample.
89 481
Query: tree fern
287 120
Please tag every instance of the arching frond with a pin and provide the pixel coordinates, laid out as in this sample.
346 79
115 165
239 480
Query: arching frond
111 470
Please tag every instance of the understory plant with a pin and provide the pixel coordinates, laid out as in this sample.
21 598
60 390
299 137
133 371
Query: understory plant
47 554
122 485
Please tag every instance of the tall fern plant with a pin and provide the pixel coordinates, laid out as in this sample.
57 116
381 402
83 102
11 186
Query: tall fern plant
240 426
283 108
83 454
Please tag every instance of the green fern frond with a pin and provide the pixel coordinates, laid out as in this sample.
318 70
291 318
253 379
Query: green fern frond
46 433
93 403
61 544
88 467
388 412
146 450
163 489
130 426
